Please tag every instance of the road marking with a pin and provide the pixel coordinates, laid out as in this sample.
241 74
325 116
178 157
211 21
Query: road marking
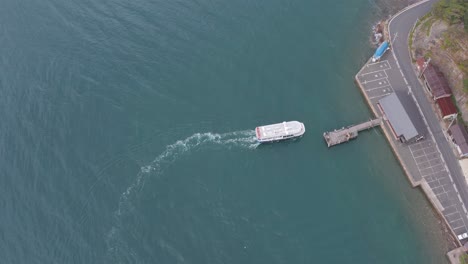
423 155
372 72
379 96
379 62
456 212
374 80
433 159
458 227
371 89
431 135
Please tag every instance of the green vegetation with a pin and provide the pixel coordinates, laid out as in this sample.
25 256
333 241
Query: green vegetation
422 19
428 55
427 20
464 259
410 39
426 26
449 43
465 20
463 66
454 101
452 11
459 116
465 85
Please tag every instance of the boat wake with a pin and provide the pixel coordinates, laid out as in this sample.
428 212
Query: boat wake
239 139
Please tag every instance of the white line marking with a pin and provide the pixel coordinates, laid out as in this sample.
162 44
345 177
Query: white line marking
381 70
417 163
375 63
434 159
371 89
458 227
423 155
452 213
382 95
374 80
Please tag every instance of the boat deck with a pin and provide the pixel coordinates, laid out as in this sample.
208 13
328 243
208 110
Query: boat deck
294 128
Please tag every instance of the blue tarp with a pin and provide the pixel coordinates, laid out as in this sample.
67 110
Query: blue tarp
381 50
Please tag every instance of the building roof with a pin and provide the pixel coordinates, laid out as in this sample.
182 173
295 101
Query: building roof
397 116
437 82
446 106
460 136
420 62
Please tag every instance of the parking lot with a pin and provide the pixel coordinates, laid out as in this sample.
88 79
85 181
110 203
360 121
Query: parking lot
375 80
422 159
427 158
433 170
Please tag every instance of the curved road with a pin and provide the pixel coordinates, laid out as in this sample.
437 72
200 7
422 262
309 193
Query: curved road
399 28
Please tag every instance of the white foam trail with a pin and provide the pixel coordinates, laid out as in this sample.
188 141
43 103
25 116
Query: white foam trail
242 139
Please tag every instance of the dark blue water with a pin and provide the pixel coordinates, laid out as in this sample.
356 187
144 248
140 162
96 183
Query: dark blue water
126 136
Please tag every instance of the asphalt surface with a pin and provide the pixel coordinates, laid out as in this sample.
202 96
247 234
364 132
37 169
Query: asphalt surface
399 28
422 159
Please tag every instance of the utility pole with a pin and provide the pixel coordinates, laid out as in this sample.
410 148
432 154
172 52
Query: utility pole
394 38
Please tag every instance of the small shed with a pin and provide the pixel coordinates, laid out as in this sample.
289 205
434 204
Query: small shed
436 83
460 139
447 108
402 127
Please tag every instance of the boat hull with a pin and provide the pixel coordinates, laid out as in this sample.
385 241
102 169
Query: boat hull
278 140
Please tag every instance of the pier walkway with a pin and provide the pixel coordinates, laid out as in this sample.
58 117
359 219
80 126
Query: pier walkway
345 134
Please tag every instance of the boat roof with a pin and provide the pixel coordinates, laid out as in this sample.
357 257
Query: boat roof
281 129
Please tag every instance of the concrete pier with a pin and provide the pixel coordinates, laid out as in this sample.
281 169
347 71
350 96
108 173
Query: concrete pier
345 134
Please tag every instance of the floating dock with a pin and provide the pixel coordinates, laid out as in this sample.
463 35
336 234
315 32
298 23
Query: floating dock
347 133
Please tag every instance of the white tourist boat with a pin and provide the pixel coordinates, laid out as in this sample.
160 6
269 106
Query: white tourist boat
280 131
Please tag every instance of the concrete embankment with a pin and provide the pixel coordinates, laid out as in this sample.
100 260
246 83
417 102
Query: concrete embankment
422 162
406 161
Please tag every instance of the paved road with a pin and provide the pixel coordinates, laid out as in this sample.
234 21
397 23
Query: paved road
422 160
399 29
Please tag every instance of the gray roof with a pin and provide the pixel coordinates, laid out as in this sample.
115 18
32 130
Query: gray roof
397 116
460 136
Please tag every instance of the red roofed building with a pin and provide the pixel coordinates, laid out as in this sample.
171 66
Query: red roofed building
420 63
447 108
436 83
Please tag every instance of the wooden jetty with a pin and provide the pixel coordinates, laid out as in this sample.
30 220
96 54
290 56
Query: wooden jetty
345 134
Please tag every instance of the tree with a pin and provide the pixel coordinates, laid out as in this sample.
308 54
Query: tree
452 11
